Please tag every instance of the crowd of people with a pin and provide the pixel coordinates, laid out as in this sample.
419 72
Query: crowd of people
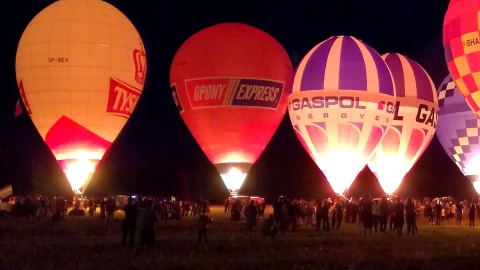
386 214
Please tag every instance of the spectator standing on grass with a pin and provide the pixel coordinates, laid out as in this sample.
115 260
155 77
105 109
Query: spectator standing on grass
478 209
376 214
292 217
203 222
277 210
129 224
324 213
338 211
251 214
318 214
309 213
261 208
398 217
284 218
103 204
92 206
59 211
110 207
438 212
383 214
367 215
147 218
471 213
459 212
410 216
226 205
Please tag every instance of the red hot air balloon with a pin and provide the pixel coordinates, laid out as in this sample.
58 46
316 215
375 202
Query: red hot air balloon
461 41
413 124
229 83
341 105
80 69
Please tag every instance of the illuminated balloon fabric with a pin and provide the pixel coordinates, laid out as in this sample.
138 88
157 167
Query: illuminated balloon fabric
413 124
341 105
461 41
458 130
82 62
229 83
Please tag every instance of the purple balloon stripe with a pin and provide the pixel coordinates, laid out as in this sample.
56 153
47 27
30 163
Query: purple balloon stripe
314 72
384 76
353 73
424 87
458 108
395 64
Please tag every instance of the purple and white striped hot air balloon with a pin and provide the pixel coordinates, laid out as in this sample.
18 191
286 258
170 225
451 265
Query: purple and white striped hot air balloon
341 105
413 125
458 131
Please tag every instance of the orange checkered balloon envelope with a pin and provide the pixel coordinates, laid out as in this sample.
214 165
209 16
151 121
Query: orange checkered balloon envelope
413 124
80 69
461 41
229 83
341 105
458 131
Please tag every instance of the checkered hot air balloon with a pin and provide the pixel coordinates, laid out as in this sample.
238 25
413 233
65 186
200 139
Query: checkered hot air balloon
341 106
458 131
80 69
461 41
229 82
413 125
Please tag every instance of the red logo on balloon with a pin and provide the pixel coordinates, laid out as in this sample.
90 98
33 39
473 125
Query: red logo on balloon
140 59
24 98
122 98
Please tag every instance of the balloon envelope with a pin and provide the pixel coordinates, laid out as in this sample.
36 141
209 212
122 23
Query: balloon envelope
341 106
229 83
458 131
413 124
461 40
80 68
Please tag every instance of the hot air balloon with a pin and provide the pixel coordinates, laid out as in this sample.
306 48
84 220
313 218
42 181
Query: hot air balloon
412 126
80 68
229 82
458 131
341 105
461 41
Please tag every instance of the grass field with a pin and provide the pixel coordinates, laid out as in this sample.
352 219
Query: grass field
89 243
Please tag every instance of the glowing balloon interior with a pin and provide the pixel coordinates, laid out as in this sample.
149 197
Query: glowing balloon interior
341 105
461 41
233 175
229 83
80 69
413 124
458 131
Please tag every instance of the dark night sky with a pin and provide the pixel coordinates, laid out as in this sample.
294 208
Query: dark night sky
155 153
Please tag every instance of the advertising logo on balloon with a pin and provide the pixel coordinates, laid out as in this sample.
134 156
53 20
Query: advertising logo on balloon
140 59
215 92
426 113
176 99
24 98
350 106
122 98
471 42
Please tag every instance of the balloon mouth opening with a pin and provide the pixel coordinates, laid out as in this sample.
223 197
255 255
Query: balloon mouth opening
233 175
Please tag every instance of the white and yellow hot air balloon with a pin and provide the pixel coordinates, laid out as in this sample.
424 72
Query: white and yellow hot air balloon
413 125
80 68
